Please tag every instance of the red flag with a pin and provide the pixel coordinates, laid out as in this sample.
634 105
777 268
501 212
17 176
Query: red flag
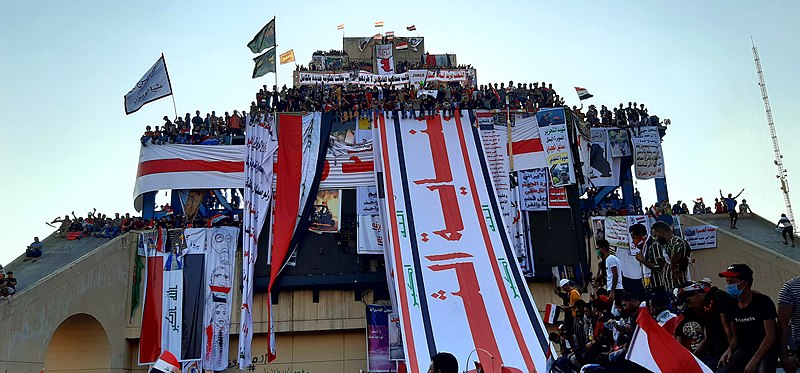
655 349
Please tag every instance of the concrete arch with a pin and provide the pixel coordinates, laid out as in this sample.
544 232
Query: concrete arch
79 344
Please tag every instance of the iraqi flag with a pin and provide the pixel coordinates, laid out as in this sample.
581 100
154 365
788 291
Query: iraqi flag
526 145
654 348
401 45
551 313
583 93
302 147
167 363
411 28
188 167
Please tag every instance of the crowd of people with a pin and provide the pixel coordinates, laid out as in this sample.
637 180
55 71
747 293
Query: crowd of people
8 284
730 327
352 101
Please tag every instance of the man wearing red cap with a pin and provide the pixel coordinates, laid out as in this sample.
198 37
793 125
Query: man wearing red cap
752 318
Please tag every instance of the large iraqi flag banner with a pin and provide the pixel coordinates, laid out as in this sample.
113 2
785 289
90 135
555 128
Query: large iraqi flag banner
177 166
459 286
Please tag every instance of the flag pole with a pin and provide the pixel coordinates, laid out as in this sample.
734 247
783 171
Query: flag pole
276 51
510 141
172 94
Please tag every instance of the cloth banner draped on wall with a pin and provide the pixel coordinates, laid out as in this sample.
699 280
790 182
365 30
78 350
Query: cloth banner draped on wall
369 79
452 256
701 237
533 189
527 144
302 145
370 237
367 200
188 167
220 248
378 338
555 138
262 144
494 139
648 160
168 313
604 169
348 166
384 59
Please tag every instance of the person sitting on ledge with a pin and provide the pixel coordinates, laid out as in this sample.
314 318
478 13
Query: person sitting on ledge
34 250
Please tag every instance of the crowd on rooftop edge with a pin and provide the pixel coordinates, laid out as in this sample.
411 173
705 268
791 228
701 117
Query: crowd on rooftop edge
727 323
410 101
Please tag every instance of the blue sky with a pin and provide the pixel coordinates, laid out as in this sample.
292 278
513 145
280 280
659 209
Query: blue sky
64 67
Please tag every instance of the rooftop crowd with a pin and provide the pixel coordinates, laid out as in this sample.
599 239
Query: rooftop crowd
409 101
730 327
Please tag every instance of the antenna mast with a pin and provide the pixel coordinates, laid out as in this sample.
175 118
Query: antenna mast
774 135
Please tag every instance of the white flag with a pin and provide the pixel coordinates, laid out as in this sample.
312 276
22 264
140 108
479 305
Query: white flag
152 86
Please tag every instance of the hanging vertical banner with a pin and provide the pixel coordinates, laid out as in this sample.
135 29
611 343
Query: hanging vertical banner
494 144
172 308
620 142
648 160
533 189
262 144
459 286
302 146
220 249
194 299
384 59
604 169
378 357
555 138
556 197
326 216
367 200
370 237
526 144
153 245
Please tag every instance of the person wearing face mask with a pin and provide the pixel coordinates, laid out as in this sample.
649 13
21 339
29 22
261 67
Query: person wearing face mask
752 319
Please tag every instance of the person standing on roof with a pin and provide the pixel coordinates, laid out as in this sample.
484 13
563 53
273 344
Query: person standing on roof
788 229
730 204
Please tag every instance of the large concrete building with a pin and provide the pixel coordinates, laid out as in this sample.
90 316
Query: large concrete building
72 312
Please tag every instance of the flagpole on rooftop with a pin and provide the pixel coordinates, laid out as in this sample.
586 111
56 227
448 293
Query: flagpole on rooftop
174 107
276 50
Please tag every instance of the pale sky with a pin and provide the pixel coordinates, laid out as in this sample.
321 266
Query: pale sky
65 66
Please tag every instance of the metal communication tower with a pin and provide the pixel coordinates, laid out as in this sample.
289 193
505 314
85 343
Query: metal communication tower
774 135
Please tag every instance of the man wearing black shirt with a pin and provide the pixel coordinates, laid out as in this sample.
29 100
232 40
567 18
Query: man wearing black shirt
710 307
752 319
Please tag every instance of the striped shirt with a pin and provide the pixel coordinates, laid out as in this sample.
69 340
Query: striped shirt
790 294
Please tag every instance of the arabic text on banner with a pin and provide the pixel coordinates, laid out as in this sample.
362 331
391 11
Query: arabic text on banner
367 200
458 286
648 159
701 237
555 139
378 357
152 86
533 189
370 237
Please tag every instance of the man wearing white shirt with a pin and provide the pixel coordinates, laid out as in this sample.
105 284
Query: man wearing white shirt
613 271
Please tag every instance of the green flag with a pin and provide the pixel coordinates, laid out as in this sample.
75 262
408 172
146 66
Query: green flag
265 38
137 281
265 63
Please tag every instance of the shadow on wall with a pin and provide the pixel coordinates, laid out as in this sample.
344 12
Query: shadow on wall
79 344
